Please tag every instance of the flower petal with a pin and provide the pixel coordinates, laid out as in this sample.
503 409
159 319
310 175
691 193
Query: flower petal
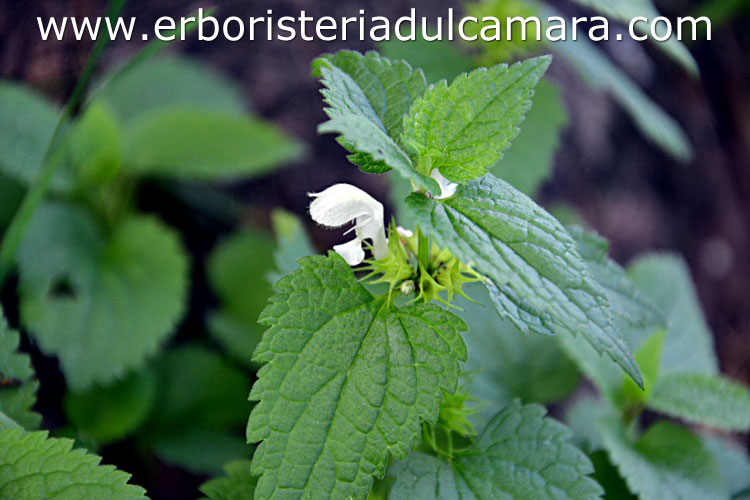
447 188
351 251
342 203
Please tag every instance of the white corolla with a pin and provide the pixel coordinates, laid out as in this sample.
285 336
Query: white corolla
447 188
342 203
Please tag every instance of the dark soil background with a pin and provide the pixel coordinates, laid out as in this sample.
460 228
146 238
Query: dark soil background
624 187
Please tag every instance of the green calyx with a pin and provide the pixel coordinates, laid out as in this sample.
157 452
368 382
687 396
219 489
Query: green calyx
413 266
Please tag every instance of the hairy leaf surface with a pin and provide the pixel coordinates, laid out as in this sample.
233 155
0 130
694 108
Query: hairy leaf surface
529 257
361 128
462 129
347 380
521 454
33 466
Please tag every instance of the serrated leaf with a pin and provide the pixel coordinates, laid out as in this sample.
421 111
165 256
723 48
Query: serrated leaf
689 346
33 466
462 129
18 391
529 257
27 123
168 82
667 463
631 307
361 128
520 455
106 414
635 315
238 484
191 143
347 380
391 87
102 304
706 399
529 162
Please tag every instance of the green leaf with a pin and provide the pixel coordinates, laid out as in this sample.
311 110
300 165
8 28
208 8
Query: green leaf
27 122
101 303
33 466
649 359
625 10
292 242
202 451
462 129
529 162
734 464
160 83
521 454
504 364
529 257
191 143
707 399
361 126
238 485
667 463
635 315
389 87
93 146
631 307
347 380
109 413
18 390
609 478
200 410
689 347
601 73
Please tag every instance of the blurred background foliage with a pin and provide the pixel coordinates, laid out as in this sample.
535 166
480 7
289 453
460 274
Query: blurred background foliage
180 195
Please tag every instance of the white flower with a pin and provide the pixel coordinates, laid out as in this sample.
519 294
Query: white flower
343 203
404 233
447 188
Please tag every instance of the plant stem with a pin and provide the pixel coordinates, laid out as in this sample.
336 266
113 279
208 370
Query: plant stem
50 160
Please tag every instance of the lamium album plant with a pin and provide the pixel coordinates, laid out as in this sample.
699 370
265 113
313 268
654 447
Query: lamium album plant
416 359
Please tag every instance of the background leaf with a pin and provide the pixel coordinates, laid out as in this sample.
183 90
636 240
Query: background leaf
200 412
27 122
109 413
168 82
200 144
667 463
689 346
701 398
102 304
